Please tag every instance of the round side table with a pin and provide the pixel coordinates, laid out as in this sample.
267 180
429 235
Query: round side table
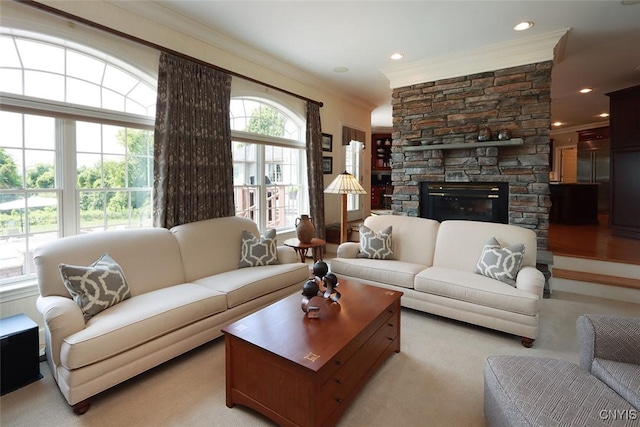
301 248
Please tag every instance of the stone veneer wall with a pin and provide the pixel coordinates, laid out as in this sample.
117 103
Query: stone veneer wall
451 111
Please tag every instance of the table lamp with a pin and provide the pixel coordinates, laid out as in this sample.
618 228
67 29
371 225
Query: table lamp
344 184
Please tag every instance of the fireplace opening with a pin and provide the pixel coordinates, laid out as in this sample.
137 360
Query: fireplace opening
476 201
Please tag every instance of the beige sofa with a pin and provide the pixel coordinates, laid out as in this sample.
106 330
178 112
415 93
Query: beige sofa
185 285
434 266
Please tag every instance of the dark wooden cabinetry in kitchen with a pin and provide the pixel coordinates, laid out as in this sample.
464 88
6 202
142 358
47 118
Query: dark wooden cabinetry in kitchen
624 109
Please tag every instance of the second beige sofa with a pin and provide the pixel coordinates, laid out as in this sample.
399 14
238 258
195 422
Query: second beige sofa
434 266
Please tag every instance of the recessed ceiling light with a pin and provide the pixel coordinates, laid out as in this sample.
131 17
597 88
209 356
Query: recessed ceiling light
525 25
396 56
557 123
340 69
586 90
603 115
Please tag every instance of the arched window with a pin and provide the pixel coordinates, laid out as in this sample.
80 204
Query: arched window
269 163
67 104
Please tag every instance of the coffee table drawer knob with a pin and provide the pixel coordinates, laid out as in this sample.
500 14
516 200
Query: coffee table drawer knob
339 362
339 381
338 400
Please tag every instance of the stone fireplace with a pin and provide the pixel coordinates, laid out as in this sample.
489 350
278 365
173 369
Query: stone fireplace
435 128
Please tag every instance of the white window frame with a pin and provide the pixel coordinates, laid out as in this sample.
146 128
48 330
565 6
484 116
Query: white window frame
262 141
66 115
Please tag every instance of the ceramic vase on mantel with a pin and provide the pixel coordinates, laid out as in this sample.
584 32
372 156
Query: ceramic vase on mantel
304 228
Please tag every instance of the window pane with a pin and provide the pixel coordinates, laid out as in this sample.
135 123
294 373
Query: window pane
11 81
8 53
41 171
84 67
40 132
118 81
40 56
143 94
44 85
83 93
89 170
88 137
114 171
141 209
12 251
114 139
92 210
112 100
42 213
11 125
117 209
11 169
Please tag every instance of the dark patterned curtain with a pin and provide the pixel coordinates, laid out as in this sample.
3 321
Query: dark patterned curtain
193 165
314 168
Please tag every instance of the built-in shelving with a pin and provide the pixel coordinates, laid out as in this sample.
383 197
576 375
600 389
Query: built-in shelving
463 145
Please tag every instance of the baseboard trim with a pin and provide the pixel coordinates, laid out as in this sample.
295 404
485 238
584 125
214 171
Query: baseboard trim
603 279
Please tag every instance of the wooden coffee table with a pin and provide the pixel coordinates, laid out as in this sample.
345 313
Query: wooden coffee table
301 371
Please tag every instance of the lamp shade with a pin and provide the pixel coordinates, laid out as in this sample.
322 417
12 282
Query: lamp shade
345 183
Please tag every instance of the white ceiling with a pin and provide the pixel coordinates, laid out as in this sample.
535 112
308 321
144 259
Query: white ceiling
602 46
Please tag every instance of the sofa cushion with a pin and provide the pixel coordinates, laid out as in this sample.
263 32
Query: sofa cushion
245 284
460 243
391 272
623 378
500 263
95 287
375 245
413 238
137 320
476 289
256 252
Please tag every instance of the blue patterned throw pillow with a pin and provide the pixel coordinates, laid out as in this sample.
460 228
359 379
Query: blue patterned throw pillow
256 252
501 263
375 245
96 287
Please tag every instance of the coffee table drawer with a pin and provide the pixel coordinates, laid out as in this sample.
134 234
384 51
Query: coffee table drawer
346 381
349 350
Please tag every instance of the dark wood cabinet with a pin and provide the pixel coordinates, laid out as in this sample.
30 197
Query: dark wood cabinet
381 151
574 203
625 162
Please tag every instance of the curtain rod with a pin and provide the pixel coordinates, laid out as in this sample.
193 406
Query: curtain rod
66 15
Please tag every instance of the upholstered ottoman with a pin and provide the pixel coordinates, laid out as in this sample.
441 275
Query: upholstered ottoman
533 391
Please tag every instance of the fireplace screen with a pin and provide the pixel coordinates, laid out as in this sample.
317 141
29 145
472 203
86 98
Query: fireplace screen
487 202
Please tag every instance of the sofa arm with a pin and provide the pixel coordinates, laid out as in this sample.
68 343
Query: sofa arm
286 255
62 317
348 250
608 337
530 279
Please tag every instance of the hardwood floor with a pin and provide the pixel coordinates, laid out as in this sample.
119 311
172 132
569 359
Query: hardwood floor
593 242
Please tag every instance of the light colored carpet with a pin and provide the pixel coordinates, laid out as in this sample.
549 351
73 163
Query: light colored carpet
436 380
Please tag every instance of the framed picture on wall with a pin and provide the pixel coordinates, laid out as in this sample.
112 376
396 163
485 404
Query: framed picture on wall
327 142
327 165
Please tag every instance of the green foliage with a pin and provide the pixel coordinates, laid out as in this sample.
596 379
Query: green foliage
41 175
266 121
9 177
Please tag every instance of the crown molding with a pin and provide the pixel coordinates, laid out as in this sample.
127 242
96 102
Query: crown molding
529 50
190 27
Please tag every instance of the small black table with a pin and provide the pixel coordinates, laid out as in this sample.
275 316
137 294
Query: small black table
20 361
